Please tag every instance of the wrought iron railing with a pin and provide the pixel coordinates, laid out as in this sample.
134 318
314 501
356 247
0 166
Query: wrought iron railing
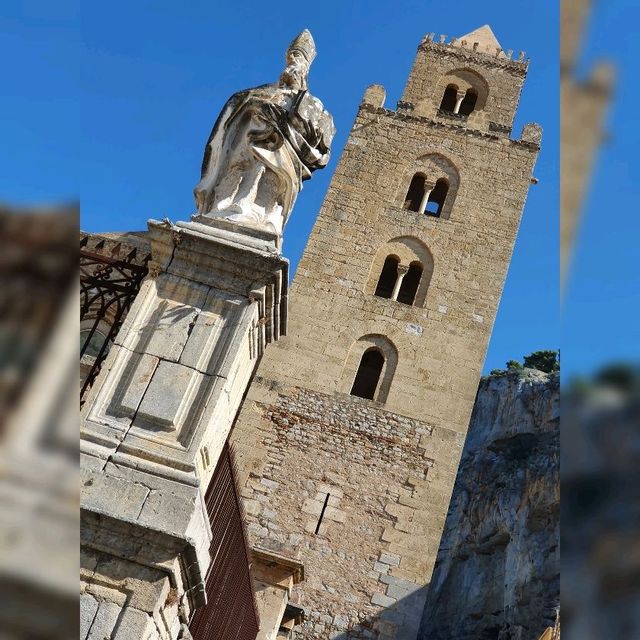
108 286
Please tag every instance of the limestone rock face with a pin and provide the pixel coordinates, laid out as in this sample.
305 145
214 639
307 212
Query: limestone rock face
497 571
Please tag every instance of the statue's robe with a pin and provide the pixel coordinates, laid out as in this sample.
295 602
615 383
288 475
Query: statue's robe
289 131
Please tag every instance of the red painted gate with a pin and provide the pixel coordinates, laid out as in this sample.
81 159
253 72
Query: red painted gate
230 612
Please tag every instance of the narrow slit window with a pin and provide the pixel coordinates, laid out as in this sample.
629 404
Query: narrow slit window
437 197
324 508
388 277
468 103
449 98
410 284
416 192
368 375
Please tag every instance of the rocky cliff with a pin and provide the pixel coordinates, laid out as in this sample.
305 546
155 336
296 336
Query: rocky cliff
497 573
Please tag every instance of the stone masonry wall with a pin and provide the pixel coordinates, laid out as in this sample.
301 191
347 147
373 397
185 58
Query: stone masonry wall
120 600
385 480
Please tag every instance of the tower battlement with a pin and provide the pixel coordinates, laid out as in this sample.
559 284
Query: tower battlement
464 47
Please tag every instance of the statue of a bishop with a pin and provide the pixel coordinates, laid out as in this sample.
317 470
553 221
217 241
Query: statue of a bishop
265 142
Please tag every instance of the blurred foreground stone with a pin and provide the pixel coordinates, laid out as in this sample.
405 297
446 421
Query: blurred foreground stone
39 499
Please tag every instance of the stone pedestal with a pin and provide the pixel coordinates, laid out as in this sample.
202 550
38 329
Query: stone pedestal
159 415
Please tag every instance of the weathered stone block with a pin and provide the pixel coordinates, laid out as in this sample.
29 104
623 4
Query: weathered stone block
133 385
135 624
389 558
88 608
341 621
382 600
104 621
106 494
252 507
314 507
335 514
166 399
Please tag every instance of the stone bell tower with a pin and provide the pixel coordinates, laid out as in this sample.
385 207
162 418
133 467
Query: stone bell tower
350 436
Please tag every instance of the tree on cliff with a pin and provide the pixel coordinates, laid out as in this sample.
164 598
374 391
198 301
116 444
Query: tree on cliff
546 360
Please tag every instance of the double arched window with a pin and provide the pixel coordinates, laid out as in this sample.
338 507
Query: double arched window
399 282
464 91
426 198
430 186
459 102
401 271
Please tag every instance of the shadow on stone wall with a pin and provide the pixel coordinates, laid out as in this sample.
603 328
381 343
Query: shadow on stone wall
398 621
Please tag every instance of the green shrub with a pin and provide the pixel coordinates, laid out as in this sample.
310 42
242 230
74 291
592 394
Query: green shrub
547 360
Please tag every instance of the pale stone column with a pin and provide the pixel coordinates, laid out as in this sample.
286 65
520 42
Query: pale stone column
159 414
460 96
425 198
402 272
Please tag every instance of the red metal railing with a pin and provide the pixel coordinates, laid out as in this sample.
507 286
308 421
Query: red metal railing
231 611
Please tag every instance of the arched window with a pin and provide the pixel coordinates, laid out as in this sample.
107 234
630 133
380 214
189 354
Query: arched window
416 192
410 284
368 375
370 368
469 102
388 277
449 99
437 197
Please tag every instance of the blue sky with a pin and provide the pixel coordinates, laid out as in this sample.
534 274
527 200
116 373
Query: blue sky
600 320
112 103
